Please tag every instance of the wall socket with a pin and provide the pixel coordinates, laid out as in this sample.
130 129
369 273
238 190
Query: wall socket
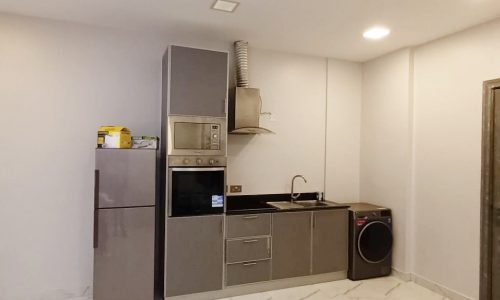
235 188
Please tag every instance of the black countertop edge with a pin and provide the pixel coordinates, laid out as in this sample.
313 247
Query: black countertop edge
276 210
251 211
270 197
254 204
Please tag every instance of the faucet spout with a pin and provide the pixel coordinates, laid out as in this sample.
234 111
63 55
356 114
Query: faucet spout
293 196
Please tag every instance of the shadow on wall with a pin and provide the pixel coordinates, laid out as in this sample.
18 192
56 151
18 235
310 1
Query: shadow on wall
65 295
237 142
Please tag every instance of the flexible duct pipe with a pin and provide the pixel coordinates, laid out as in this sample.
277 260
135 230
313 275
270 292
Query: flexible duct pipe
241 51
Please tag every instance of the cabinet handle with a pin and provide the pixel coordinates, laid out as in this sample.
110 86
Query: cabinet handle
222 226
250 241
250 217
96 208
250 264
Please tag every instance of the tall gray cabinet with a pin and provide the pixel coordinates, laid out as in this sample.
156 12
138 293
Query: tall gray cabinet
194 254
124 224
196 81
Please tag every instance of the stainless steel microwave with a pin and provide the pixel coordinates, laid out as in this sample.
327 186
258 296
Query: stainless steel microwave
190 135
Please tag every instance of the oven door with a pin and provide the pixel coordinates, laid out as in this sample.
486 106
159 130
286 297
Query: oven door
196 191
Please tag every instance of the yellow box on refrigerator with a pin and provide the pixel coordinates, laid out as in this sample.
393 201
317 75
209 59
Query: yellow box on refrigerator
114 137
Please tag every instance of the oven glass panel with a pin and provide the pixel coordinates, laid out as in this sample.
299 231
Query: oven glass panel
197 193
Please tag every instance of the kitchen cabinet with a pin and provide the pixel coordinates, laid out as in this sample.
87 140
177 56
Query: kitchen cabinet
248 225
248 272
291 248
248 248
194 254
197 81
330 241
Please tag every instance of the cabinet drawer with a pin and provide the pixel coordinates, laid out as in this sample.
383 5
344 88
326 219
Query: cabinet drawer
248 272
248 225
248 249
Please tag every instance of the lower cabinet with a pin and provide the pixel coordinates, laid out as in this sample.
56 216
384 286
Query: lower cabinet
248 249
291 249
194 255
330 241
248 272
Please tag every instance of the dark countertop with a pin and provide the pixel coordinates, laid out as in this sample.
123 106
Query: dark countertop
255 204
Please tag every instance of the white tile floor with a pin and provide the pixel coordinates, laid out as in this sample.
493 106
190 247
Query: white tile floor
389 288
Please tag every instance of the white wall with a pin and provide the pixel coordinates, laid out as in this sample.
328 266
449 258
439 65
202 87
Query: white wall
421 152
343 131
293 89
448 97
60 81
385 136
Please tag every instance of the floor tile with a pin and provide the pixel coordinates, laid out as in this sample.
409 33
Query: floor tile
335 288
386 288
375 288
412 291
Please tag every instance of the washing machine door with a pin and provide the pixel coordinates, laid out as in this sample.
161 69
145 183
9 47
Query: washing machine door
375 242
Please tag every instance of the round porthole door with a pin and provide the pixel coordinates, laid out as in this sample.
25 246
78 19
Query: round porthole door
375 242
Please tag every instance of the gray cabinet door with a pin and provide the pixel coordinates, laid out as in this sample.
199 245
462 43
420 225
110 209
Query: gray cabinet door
291 249
194 259
330 233
124 254
198 82
126 177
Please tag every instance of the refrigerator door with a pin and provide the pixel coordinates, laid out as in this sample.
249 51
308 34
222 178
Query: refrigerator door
125 177
124 254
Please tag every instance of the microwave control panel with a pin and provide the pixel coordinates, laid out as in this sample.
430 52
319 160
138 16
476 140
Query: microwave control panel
215 137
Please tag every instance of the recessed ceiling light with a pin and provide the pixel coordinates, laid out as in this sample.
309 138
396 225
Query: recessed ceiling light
376 33
225 5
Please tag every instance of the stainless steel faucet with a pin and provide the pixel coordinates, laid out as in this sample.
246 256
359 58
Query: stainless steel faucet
296 196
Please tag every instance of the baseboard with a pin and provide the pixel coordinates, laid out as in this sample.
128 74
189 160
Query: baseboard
402 275
263 286
430 285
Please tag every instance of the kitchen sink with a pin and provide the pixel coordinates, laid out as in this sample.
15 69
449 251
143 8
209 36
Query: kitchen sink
311 203
285 205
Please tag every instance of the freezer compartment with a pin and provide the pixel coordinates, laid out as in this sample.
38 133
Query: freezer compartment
125 177
124 254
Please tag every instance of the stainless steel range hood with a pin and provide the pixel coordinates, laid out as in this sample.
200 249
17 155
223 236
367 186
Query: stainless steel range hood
245 103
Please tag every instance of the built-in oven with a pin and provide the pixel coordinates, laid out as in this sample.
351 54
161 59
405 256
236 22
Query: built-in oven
194 135
196 186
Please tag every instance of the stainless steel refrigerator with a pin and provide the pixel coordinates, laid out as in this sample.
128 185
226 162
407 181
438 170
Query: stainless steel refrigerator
124 224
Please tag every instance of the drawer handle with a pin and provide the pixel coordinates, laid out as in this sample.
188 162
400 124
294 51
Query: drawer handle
250 241
250 264
250 217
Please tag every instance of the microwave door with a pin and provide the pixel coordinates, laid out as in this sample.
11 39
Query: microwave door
196 191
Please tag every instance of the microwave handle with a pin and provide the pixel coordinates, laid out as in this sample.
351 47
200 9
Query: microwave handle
197 169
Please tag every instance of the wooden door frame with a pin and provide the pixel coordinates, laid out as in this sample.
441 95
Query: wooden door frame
487 187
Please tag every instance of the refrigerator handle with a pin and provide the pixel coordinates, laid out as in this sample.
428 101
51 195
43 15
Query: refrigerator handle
96 208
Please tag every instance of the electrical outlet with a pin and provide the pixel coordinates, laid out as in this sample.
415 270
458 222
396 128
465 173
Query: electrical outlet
235 188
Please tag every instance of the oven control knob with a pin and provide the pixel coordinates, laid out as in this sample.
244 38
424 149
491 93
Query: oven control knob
211 161
198 161
186 161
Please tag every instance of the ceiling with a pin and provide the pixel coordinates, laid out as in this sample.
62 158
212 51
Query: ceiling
328 28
